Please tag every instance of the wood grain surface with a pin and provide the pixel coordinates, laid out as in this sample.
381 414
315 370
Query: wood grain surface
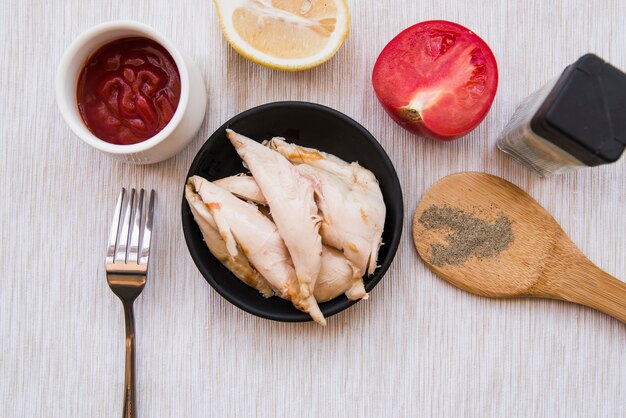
418 347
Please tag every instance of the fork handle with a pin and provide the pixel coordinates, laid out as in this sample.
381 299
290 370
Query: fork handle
130 404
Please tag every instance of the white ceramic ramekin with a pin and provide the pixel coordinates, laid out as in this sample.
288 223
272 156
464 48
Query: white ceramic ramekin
174 136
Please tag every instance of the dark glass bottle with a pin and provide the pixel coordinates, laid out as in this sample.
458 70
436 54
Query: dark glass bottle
576 120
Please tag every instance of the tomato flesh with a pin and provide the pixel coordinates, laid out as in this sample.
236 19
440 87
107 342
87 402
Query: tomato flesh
436 79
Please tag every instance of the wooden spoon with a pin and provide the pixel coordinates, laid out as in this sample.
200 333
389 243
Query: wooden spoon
539 261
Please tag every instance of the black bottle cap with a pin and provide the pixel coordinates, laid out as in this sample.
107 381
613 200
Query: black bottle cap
585 113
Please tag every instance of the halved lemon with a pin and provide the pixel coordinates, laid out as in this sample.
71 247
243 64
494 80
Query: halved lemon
285 34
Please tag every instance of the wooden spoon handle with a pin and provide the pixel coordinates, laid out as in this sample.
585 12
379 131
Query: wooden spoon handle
591 286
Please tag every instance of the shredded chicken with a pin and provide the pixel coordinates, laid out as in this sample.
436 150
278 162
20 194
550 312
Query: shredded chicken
244 229
306 226
290 197
244 187
337 274
239 265
349 199
336 277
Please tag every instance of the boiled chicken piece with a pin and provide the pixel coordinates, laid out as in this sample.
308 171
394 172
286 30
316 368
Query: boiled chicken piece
244 187
337 274
349 199
239 265
290 197
243 228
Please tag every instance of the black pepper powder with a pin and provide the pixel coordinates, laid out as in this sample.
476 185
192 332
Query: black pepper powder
470 236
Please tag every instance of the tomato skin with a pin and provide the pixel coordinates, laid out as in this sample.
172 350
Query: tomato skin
436 79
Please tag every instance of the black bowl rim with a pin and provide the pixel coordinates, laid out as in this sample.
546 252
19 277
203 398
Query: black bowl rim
397 208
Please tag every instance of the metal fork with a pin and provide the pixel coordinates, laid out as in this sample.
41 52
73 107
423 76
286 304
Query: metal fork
127 268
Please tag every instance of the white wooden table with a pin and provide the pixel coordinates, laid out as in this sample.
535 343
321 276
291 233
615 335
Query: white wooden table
418 347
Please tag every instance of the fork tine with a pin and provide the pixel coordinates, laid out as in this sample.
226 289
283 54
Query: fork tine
122 242
115 226
147 231
134 233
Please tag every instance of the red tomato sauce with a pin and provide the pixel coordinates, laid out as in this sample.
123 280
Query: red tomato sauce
128 90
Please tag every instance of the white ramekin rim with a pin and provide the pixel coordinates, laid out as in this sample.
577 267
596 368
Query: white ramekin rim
64 103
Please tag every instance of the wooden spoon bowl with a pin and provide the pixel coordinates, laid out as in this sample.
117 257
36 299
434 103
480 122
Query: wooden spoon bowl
539 261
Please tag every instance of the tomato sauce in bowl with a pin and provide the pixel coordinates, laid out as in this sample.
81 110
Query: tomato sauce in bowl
128 90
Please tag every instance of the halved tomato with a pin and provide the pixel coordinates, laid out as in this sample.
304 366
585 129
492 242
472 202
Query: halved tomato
436 79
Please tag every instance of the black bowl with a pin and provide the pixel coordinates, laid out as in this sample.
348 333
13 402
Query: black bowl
310 125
